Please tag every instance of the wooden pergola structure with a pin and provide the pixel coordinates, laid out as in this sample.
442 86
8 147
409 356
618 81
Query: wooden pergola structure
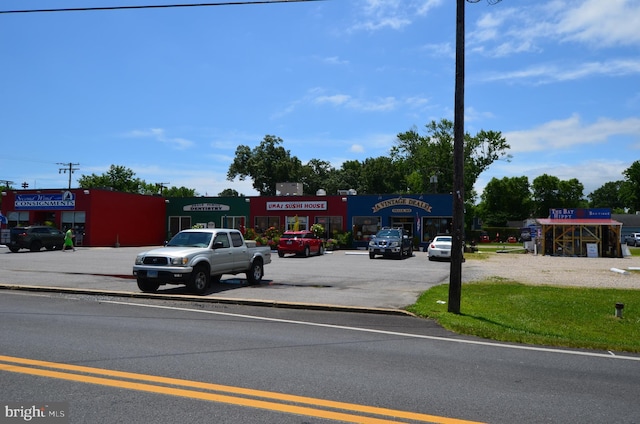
581 237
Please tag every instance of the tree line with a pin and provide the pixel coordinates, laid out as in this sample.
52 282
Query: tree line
418 163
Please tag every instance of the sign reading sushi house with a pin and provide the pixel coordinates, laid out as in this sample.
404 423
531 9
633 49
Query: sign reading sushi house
51 201
310 205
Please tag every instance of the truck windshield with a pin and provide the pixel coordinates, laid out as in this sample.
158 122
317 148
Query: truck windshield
190 239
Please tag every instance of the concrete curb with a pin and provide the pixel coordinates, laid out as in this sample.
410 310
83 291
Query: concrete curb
207 299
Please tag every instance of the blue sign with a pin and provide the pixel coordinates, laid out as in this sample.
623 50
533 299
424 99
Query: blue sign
58 201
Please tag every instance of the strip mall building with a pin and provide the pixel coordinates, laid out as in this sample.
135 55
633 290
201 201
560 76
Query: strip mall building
108 218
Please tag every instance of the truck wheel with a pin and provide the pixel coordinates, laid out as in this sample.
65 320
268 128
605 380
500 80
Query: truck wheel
281 253
256 272
199 280
147 286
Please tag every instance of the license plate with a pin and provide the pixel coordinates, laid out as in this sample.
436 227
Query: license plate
152 274
288 241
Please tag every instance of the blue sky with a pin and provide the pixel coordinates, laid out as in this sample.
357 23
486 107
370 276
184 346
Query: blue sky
170 93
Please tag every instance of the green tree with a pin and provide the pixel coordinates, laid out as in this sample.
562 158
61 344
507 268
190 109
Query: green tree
315 175
507 199
118 178
608 196
630 190
423 157
380 176
229 192
179 192
551 192
267 164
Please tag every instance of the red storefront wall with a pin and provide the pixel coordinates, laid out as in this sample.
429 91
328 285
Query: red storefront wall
124 219
310 208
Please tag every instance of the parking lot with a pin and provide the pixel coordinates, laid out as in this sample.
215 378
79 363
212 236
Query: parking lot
341 278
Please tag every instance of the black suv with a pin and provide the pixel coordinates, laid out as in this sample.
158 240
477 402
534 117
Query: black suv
393 242
35 237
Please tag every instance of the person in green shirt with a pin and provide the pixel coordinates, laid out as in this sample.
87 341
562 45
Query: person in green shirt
68 240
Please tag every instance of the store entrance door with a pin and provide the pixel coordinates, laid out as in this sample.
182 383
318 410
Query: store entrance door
405 222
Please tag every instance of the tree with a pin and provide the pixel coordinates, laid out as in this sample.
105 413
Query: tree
380 176
432 155
630 190
551 192
179 192
608 196
507 199
118 178
229 192
315 175
267 164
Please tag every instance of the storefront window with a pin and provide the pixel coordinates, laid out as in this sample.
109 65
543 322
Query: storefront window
236 222
177 224
75 220
18 219
331 224
297 223
435 225
262 223
365 226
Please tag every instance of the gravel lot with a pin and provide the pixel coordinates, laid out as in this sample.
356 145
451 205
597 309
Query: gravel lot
555 270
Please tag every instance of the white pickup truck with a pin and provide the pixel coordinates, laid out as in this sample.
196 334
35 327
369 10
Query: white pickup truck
198 257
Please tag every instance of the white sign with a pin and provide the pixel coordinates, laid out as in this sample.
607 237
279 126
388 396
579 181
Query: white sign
592 250
311 205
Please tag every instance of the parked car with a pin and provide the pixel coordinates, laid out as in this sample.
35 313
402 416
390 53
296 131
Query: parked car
394 242
484 237
633 239
198 257
302 243
35 237
439 248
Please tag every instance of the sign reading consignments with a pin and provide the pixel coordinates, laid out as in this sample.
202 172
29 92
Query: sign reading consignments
311 205
52 201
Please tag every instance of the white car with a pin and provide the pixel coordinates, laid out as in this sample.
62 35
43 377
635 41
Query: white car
439 248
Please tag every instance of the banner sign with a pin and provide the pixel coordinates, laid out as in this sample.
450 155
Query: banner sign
59 201
297 206
578 213
401 201
205 207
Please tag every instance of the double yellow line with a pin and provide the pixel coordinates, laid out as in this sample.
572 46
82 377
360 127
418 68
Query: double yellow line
291 404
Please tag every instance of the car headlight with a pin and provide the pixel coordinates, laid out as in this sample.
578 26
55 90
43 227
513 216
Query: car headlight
395 244
179 261
139 259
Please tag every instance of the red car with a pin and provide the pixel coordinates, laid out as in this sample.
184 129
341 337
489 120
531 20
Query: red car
302 243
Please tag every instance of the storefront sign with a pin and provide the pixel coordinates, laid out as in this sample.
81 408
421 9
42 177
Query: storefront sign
401 201
602 213
58 201
297 206
205 207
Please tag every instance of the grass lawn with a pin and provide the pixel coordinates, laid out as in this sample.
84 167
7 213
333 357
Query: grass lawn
504 310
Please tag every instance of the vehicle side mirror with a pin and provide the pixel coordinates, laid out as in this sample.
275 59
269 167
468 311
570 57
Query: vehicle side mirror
217 245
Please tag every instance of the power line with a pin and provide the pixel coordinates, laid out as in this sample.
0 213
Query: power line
155 6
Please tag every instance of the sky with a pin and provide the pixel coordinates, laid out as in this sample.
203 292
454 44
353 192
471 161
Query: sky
171 92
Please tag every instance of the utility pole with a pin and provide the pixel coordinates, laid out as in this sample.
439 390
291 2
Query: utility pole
68 167
6 183
162 187
457 239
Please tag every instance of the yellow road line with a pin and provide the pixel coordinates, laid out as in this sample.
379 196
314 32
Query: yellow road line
281 407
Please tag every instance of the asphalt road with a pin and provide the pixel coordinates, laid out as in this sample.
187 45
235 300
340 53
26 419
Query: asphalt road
337 279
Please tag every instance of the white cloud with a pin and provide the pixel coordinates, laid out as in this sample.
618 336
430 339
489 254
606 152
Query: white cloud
570 132
393 14
159 134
